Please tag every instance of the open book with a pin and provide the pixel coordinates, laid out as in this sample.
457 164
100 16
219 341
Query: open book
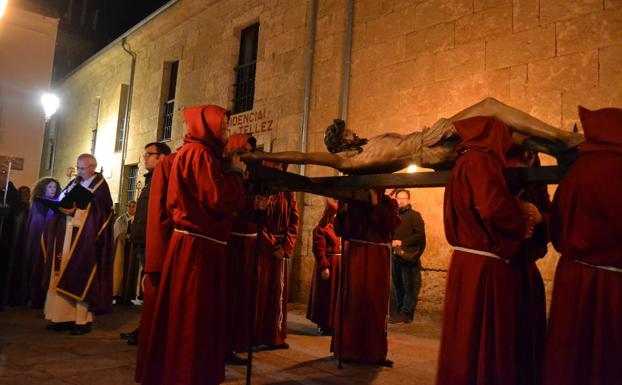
79 195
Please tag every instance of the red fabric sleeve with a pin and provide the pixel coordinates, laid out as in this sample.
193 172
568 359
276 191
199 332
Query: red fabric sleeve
494 203
291 233
215 190
384 216
319 248
159 224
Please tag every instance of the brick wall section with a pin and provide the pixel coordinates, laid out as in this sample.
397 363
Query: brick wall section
544 57
412 63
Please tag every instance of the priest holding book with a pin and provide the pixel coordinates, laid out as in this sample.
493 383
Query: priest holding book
77 246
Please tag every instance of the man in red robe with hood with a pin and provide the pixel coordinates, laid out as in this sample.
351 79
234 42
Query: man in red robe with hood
362 312
486 225
276 243
159 232
325 282
584 342
241 256
190 308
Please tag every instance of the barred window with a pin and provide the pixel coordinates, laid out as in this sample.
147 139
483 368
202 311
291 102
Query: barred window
245 70
170 71
132 178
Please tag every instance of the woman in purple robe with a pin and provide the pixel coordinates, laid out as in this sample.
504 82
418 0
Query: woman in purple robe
35 265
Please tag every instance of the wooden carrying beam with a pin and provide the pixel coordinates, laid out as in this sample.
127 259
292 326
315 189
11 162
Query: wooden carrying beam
272 180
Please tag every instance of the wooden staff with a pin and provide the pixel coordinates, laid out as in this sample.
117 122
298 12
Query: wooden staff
253 305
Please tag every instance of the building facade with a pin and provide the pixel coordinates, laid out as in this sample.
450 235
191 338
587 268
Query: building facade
25 74
279 65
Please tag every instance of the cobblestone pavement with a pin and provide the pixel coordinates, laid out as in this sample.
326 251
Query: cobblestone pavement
31 355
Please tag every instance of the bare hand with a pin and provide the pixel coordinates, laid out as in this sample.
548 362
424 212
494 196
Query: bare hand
532 217
325 274
396 243
236 162
342 207
279 254
261 202
69 212
373 197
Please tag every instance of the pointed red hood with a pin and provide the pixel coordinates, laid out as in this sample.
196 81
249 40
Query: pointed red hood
602 128
238 142
486 134
329 212
204 126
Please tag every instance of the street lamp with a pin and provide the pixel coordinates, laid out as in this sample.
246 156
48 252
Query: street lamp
50 104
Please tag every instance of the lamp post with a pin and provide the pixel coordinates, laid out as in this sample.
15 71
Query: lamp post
50 103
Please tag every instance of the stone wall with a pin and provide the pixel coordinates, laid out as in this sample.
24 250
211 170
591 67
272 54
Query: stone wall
412 63
25 73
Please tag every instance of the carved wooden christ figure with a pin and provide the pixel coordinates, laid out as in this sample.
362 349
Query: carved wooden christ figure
433 147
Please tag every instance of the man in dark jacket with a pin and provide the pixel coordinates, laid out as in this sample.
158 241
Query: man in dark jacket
408 245
154 153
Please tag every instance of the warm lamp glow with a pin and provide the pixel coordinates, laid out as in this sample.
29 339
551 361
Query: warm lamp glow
50 104
412 168
3 4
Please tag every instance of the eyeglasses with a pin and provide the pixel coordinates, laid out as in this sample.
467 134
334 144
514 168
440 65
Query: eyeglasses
147 154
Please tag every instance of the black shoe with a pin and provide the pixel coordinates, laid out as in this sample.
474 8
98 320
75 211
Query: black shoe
386 363
281 346
80 330
398 319
232 359
133 341
132 334
60 326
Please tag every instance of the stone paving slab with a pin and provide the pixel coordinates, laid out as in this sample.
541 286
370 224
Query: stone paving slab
29 354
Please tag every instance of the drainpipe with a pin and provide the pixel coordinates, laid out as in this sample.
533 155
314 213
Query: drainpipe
347 55
126 116
308 79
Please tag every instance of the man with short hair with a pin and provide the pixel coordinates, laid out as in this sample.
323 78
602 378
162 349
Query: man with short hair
408 244
154 153
79 243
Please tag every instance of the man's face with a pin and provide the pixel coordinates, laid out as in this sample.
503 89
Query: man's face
85 169
152 157
402 199
131 208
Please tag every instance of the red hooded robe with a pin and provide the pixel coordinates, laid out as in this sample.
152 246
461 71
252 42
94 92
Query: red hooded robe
327 252
188 345
364 303
484 298
280 231
584 342
241 255
159 230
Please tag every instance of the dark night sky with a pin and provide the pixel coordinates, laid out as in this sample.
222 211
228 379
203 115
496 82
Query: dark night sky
77 40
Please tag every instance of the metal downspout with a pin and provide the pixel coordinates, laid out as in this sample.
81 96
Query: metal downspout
308 79
347 55
126 116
